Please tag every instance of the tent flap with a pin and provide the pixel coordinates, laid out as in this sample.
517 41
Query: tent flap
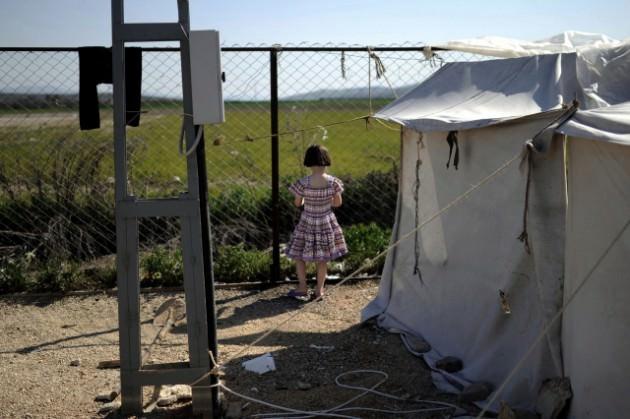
610 124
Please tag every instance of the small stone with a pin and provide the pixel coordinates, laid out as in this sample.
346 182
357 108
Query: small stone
108 407
450 364
552 397
106 396
167 401
301 385
109 364
75 363
417 344
476 392
234 410
182 392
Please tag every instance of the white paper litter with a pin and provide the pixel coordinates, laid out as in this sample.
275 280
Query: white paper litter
261 364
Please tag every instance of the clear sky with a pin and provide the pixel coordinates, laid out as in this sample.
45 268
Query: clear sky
70 23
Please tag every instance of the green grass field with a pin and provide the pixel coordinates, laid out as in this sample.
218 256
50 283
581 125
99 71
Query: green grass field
44 146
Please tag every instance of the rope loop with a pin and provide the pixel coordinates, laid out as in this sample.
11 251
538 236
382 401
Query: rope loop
181 137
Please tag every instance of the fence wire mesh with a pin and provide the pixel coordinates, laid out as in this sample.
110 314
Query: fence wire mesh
57 182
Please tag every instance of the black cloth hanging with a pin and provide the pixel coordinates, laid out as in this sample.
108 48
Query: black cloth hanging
451 139
95 67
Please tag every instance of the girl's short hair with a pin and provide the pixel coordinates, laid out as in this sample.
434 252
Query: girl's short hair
316 155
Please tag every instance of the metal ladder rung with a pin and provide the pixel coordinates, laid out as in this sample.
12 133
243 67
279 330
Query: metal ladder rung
149 32
166 374
171 207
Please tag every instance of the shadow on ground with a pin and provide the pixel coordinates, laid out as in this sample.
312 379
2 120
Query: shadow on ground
228 316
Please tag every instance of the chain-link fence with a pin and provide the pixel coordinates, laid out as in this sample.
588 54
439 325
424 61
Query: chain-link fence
56 182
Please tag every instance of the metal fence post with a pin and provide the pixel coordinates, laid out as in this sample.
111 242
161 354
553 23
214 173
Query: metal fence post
207 265
275 175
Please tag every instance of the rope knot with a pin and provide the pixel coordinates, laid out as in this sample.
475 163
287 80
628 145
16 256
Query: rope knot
378 63
217 370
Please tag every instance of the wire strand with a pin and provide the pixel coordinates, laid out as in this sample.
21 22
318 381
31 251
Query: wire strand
311 128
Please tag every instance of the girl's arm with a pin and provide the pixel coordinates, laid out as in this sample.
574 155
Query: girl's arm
338 188
336 200
297 189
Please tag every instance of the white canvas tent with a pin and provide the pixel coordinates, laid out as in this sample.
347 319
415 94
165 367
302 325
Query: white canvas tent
443 284
596 326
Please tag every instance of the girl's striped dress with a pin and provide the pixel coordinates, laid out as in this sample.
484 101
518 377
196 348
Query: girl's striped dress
318 236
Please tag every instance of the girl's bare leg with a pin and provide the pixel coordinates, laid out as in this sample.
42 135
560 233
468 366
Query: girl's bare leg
300 267
322 270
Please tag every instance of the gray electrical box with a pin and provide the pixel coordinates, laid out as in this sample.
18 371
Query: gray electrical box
205 67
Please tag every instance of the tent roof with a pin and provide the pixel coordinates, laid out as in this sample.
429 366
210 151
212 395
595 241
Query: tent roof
466 95
496 46
610 124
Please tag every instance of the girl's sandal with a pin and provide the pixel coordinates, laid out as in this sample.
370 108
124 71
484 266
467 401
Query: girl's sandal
297 294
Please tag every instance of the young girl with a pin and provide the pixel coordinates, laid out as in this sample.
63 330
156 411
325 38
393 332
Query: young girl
317 237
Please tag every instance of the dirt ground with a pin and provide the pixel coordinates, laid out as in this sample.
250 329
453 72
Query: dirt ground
41 337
